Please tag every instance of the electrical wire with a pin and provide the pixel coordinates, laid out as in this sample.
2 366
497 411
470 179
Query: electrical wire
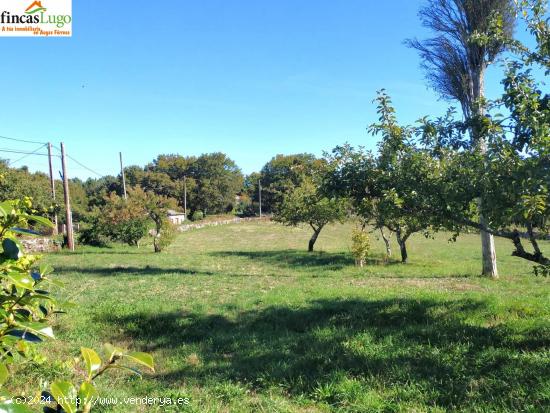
35 152
23 140
81 164
22 152
28 154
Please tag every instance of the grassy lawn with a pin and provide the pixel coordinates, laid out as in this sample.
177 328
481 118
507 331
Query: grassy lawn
240 318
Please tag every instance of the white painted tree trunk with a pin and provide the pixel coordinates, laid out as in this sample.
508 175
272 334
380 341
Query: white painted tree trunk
488 252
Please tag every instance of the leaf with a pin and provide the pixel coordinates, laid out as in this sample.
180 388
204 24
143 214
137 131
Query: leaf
24 231
126 368
92 360
40 329
41 220
112 351
142 358
11 249
10 407
21 280
64 393
4 374
45 270
25 335
87 392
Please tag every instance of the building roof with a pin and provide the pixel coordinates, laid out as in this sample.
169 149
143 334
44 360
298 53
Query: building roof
172 212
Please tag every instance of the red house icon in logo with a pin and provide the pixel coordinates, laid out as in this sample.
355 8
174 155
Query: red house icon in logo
35 7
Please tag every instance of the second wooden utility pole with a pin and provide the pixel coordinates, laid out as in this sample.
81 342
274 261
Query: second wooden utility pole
52 187
70 235
123 176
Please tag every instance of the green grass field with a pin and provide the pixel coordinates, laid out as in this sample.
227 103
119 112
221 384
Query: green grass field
240 318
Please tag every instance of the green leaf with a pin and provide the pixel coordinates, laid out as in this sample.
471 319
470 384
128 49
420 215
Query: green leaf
4 374
45 270
92 360
87 392
12 249
6 208
112 351
24 231
142 358
21 280
11 407
40 329
41 220
64 393
126 368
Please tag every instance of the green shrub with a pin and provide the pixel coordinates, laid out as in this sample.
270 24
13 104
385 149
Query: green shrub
93 232
360 246
197 216
167 235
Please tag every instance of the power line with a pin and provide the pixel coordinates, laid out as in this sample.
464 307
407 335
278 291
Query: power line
81 164
23 140
23 152
28 154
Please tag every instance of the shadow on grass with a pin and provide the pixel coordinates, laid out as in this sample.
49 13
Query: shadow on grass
104 251
303 259
124 270
419 350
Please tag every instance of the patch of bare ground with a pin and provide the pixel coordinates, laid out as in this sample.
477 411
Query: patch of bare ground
439 284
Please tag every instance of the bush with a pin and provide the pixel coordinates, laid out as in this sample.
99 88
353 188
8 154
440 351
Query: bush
129 231
197 216
360 246
165 237
93 232
119 220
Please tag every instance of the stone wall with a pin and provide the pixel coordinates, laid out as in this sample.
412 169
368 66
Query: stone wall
198 225
38 245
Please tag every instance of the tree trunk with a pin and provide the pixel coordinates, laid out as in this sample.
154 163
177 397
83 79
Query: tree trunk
402 241
156 238
313 239
386 242
488 252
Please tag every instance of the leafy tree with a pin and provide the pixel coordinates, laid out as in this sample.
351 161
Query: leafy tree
16 183
218 180
281 175
98 190
156 207
385 189
306 204
515 169
455 66
124 220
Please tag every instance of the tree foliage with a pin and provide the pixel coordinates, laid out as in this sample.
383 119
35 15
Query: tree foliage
307 204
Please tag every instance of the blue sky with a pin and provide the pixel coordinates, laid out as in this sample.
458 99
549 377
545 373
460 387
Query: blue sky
248 78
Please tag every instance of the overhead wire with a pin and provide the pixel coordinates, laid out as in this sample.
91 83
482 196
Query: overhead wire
22 140
81 164
35 152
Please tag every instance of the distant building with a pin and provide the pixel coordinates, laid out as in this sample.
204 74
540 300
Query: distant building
176 217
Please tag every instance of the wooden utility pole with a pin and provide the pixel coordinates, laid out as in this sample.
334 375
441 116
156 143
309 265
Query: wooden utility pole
185 196
260 195
52 186
70 235
123 176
